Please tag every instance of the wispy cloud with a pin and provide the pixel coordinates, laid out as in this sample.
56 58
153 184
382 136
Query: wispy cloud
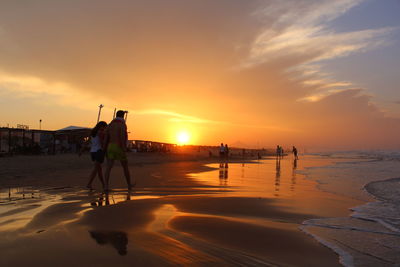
177 117
301 32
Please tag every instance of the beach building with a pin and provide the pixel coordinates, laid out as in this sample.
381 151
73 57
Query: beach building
22 140
150 146
70 139
25 141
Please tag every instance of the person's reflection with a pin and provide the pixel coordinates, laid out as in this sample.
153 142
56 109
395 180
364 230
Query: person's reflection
104 199
223 174
277 177
118 240
221 171
293 182
101 200
226 171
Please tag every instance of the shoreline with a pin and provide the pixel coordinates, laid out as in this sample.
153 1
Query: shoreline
374 221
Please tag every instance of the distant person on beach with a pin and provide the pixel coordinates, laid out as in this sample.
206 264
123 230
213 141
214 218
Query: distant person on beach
295 152
116 142
226 152
222 151
97 152
278 152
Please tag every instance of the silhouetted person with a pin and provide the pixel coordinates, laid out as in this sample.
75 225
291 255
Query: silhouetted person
116 142
96 152
278 152
226 151
118 240
221 151
294 150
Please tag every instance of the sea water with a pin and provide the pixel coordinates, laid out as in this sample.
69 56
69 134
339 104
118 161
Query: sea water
370 236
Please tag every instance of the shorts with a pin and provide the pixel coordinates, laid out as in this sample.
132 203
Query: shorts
115 152
97 156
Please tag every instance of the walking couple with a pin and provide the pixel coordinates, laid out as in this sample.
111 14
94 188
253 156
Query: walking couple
109 141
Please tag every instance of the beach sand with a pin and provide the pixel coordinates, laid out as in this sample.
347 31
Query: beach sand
182 212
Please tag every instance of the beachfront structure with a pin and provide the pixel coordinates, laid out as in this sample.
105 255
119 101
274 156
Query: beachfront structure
71 139
33 141
150 146
25 141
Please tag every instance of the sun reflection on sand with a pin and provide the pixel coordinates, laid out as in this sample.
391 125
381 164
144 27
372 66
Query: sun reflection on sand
162 217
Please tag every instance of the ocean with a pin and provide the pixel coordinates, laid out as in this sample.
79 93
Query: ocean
370 236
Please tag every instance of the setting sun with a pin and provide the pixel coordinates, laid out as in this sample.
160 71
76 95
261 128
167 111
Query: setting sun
182 138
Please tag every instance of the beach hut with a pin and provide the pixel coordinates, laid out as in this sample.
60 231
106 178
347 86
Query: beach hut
71 138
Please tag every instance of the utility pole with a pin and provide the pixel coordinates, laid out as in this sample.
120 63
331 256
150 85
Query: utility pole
98 116
126 115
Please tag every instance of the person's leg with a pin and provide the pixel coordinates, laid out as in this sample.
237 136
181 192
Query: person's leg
110 164
100 173
124 164
91 177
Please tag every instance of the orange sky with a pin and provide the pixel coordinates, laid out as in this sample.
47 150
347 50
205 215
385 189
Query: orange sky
232 71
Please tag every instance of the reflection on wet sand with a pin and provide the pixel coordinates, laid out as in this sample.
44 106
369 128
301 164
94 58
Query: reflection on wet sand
104 199
118 240
176 224
18 193
277 176
223 174
293 180
162 216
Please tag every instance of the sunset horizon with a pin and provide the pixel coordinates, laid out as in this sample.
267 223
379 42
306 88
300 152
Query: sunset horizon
199 133
317 74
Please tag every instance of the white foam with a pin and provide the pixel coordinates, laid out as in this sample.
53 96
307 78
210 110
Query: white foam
344 258
373 222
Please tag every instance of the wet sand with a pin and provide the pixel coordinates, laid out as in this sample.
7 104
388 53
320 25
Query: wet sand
181 213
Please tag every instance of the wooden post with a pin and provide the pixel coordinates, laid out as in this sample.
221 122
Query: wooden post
126 116
98 116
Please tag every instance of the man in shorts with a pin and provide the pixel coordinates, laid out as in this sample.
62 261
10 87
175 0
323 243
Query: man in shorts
115 141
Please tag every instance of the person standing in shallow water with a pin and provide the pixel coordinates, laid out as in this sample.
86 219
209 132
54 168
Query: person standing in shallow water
278 152
116 141
97 152
295 153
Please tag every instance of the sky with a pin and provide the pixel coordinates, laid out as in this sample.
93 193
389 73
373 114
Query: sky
318 74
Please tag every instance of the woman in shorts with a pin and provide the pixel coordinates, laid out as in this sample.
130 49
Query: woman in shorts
96 152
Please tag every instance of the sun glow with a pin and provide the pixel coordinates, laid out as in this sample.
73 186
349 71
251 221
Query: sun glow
182 138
